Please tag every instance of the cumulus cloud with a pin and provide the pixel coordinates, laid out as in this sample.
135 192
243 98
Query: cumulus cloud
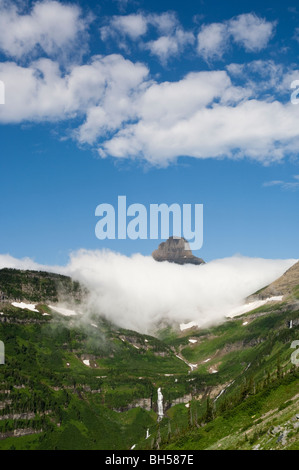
231 123
171 41
212 41
137 292
42 91
137 24
122 112
134 26
170 45
251 31
247 30
51 26
125 114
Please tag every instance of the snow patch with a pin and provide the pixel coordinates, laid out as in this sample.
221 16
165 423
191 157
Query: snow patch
25 306
193 341
186 326
192 366
252 306
63 311
86 362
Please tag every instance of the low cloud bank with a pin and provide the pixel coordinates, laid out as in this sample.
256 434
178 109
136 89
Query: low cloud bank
8 261
137 292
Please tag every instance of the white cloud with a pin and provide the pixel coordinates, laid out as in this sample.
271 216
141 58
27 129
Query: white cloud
260 74
169 46
8 261
116 105
125 114
51 26
138 292
42 92
212 40
287 185
169 102
171 40
251 32
137 24
134 26
165 22
203 115
227 124
247 30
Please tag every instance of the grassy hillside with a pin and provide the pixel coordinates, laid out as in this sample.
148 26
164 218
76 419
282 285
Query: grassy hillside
263 419
47 389
69 384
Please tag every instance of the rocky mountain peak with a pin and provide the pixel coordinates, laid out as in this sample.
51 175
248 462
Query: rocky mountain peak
176 250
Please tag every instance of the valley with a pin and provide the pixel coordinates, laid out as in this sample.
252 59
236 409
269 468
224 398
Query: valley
74 380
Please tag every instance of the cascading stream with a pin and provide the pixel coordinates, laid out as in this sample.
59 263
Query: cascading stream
160 404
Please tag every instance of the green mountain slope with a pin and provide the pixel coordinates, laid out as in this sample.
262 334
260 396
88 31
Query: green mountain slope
73 384
34 286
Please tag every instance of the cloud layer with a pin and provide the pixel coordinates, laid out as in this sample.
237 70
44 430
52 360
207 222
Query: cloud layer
125 114
137 292
113 104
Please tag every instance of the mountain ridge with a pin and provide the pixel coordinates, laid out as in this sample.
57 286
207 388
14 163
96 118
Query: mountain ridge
285 285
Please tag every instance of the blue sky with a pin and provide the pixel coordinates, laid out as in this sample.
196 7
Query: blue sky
164 102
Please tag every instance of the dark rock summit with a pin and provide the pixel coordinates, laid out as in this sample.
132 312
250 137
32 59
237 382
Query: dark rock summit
176 250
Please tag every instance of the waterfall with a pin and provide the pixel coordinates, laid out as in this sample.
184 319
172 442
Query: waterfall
160 405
